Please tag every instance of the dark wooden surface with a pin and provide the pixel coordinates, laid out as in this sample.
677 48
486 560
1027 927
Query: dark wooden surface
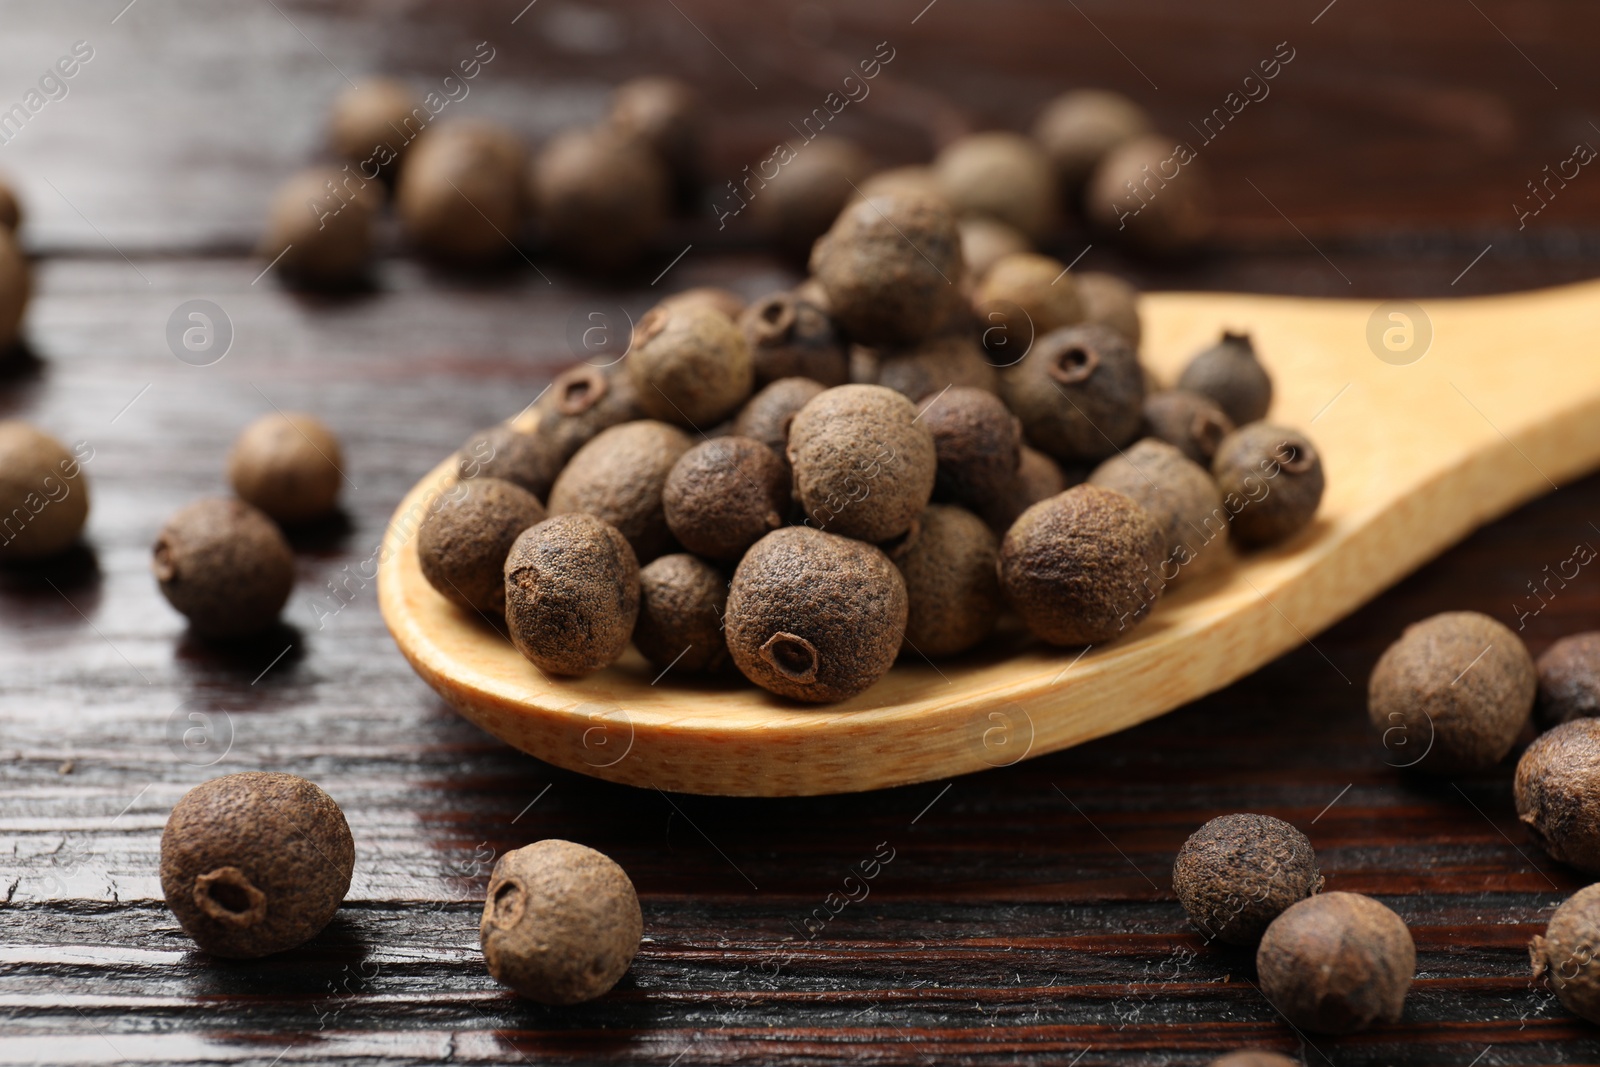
1026 915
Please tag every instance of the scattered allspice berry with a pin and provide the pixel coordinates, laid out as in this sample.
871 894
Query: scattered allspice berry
1336 963
319 229
1251 1057
531 460
561 922
1569 680
572 594
1452 693
690 365
1110 301
986 241
582 402
1078 128
463 542
1038 477
15 285
1079 393
44 494
1557 790
863 463
255 863
603 198
767 415
1237 873
792 338
619 477
1154 194
665 115
936 364
1001 175
1192 423
460 195
799 203
978 443
948 560
225 566
1231 375
1028 295
815 616
371 124
288 465
681 603
1271 480
724 495
1179 494
1083 567
1565 954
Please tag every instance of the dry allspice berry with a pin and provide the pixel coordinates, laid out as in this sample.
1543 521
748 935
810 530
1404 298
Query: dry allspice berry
1179 494
44 494
370 124
1038 477
1565 954
1250 1057
619 477
1112 302
561 922
531 460
1569 680
978 443
1452 693
792 338
682 599
986 241
16 282
1083 567
602 197
1154 194
463 542
255 863
1079 393
815 616
690 365
665 115
801 201
1190 422
461 194
1557 790
1078 128
1231 375
225 566
580 404
320 229
1028 295
1001 175
948 560
572 594
724 495
936 364
767 415
1237 873
1271 481
1336 963
288 465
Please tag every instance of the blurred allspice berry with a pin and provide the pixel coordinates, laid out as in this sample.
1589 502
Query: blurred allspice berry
800 202
16 284
320 229
665 115
1231 375
1078 128
1271 480
1154 194
10 207
43 485
601 198
288 465
461 193
790 337
1190 422
1001 175
371 124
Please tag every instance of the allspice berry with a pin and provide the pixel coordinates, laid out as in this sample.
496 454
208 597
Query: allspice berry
460 194
1001 175
690 365
1271 480
1336 963
463 541
1253 1058
664 115
579 404
561 922
602 198
1028 295
1232 377
978 443
1557 791
529 460
255 863
288 465
1038 477
16 284
1569 680
10 208
319 229
44 494
986 241
726 301
889 265
815 616
724 495
792 338
1190 422
1237 873
1110 301
1565 954
1154 194
800 202
572 594
1083 567
1078 128
619 476
936 364
682 599
911 180
1452 693
225 566
948 561
371 124
1179 494
1079 393
863 463
768 415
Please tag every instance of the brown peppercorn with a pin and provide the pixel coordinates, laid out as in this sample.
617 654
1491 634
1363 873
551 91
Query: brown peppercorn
561 922
529 460
978 443
1271 481
815 616
690 365
767 415
1078 128
948 561
1027 295
1083 567
1230 374
681 603
572 594
1079 393
1569 680
602 198
799 203
1250 1057
1001 175
16 283
889 265
371 124
863 463
255 863
463 541
619 477
1190 422
1557 791
934 365
460 194
288 465
44 494
319 229
985 241
1237 873
726 301
664 114
790 338
1336 963
1180 495
1566 955
225 566
1452 693
724 495
1112 302
10 208
1153 194
581 403
1038 477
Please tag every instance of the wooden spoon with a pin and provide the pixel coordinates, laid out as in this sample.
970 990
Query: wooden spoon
1420 447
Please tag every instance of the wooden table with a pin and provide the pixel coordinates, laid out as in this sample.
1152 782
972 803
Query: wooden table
1026 914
